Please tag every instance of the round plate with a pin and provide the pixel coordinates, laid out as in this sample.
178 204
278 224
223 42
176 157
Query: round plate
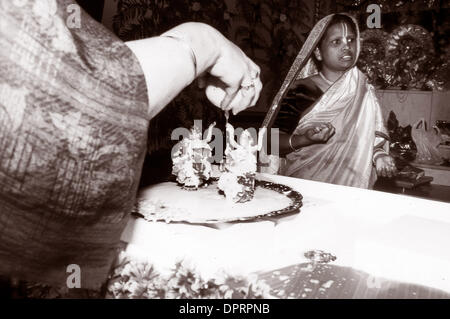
171 203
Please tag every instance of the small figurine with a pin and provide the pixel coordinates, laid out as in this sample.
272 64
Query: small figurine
238 182
190 161
241 157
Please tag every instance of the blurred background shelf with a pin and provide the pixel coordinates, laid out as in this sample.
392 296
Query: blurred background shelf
410 105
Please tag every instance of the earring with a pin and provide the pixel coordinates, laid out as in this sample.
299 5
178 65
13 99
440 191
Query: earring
317 54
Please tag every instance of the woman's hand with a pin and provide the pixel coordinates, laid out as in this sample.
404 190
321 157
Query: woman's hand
385 166
320 133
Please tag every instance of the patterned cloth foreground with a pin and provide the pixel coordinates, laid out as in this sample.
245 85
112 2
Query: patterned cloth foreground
73 133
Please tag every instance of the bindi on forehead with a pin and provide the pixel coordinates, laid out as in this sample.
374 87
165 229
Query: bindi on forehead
344 30
340 30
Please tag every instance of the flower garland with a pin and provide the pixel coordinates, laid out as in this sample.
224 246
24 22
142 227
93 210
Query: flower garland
410 51
403 59
372 60
131 279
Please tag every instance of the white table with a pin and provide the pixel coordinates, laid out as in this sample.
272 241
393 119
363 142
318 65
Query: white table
394 238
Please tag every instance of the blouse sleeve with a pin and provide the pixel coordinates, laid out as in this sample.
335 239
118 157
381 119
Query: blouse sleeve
301 96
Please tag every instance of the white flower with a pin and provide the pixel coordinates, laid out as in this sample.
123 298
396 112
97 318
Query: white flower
283 17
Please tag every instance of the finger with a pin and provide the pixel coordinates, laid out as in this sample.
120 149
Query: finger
323 136
254 69
326 133
388 172
309 133
258 89
379 168
379 172
333 130
246 95
215 94
385 171
230 93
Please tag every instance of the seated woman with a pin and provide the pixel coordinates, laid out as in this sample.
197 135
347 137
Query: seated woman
331 126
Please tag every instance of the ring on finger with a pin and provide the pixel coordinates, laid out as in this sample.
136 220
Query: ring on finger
249 86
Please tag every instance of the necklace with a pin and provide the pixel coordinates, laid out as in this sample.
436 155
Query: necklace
325 79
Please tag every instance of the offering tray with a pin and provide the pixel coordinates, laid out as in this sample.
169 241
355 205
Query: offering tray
170 202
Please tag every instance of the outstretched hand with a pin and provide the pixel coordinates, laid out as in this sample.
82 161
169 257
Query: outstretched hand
320 133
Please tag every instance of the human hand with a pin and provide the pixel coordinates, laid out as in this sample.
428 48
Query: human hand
385 166
320 133
233 82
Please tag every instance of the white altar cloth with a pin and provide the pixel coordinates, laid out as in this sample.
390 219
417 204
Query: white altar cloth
393 237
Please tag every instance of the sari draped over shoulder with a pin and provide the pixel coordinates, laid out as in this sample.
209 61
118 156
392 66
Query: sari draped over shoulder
351 106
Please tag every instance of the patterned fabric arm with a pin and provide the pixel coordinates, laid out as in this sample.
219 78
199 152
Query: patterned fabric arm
73 135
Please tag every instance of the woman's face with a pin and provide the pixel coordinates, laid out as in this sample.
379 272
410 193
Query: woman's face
338 47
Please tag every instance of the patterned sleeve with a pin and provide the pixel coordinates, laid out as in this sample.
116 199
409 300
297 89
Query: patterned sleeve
73 133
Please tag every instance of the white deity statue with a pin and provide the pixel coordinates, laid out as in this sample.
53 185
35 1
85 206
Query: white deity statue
241 156
190 161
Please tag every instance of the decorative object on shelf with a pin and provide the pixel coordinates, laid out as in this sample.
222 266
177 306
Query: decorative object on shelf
401 147
410 174
410 50
440 78
403 59
133 279
427 142
444 128
412 66
372 60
